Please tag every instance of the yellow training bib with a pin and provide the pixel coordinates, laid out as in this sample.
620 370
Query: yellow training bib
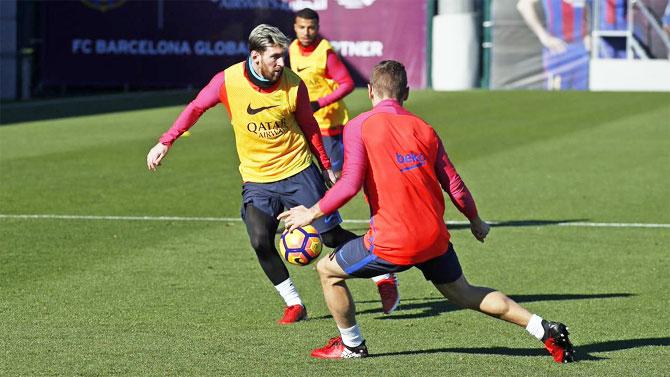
312 70
270 143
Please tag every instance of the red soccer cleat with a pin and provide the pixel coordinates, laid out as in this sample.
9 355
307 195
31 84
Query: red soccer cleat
557 343
293 314
335 349
388 291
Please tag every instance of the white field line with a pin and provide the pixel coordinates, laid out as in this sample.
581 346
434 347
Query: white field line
350 221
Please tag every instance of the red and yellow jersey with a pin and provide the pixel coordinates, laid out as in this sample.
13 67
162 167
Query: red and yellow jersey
270 143
312 70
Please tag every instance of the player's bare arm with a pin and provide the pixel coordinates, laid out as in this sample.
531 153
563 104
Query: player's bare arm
527 10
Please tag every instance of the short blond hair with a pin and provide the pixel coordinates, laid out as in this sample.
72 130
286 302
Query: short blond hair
264 36
389 79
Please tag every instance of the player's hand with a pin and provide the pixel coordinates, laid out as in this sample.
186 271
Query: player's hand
329 177
297 217
555 45
479 228
315 106
155 155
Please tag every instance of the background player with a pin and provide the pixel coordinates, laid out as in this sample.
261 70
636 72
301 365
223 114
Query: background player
565 39
401 164
274 131
328 82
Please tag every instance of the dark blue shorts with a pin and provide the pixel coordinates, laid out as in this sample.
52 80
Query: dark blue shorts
359 262
335 150
305 188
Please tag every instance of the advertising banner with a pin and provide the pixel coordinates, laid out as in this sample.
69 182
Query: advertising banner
184 43
549 44
540 44
365 32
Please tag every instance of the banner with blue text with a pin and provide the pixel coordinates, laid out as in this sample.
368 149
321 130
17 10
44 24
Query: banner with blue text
184 43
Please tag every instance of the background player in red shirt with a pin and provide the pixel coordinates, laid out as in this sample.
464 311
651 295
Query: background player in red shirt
401 163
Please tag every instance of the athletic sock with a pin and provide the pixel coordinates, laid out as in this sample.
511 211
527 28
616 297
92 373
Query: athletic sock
377 279
288 292
351 337
535 327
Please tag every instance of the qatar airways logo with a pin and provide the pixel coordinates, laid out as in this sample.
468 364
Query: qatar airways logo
268 130
409 161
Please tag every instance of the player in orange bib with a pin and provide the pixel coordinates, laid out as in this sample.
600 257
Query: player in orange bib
276 137
400 162
328 82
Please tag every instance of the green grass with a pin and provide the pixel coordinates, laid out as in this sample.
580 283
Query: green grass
85 297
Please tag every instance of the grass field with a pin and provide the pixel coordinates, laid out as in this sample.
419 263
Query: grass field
130 296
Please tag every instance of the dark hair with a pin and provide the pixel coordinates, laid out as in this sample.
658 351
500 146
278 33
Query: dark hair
308 14
389 79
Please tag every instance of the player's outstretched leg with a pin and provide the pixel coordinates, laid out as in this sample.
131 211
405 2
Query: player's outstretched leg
554 335
387 284
261 228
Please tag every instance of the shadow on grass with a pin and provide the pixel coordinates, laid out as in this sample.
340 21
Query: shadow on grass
434 306
16 112
519 223
438 306
583 351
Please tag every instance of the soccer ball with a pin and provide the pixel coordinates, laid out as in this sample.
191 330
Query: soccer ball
300 247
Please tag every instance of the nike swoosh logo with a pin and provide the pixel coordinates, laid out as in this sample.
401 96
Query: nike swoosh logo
252 111
302 69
